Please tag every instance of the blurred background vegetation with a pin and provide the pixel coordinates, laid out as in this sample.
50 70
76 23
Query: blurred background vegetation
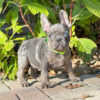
20 20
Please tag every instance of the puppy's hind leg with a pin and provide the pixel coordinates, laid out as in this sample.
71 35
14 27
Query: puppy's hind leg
22 64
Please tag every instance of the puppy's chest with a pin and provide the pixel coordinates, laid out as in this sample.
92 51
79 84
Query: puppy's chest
56 60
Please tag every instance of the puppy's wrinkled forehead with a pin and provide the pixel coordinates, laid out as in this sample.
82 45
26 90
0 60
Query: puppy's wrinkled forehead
57 29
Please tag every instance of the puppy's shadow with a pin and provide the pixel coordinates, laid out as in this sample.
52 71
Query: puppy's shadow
60 76
59 83
64 78
32 83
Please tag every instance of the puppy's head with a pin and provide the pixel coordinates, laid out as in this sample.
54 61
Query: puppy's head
57 34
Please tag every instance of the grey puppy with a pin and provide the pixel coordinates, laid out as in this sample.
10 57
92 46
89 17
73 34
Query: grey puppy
43 55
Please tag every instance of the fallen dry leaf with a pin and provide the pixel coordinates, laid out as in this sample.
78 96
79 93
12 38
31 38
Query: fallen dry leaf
1 74
98 76
64 70
30 77
77 85
84 96
52 72
75 62
97 66
77 74
71 86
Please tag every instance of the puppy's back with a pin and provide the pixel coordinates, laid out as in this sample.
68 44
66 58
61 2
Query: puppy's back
33 49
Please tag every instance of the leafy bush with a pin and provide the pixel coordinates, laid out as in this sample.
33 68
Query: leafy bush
8 56
85 47
84 13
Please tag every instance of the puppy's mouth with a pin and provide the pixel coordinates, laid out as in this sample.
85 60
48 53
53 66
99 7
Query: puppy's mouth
60 48
57 47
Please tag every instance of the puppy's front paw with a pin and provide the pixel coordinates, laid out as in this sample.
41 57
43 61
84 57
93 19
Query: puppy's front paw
23 83
74 79
45 85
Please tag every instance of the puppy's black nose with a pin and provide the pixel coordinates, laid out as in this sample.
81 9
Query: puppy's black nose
58 39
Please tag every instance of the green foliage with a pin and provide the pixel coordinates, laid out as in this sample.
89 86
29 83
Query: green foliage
38 30
1 2
51 14
2 22
8 57
57 1
85 10
93 6
14 14
36 8
87 21
3 38
8 45
81 14
85 48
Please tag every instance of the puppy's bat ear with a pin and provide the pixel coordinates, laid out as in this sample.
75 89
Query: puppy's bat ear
45 23
64 18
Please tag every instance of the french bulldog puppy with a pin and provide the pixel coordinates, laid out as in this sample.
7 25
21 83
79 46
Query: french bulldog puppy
43 55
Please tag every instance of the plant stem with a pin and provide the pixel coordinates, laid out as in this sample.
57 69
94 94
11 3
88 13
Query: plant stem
64 5
25 21
71 16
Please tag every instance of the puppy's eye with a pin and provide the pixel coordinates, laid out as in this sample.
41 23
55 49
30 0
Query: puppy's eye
66 34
